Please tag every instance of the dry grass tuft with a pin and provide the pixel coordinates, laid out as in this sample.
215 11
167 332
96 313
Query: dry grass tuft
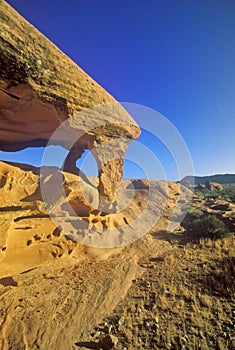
184 301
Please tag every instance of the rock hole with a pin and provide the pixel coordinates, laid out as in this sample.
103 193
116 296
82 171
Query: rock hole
8 281
95 212
56 232
37 237
94 220
104 223
125 220
86 220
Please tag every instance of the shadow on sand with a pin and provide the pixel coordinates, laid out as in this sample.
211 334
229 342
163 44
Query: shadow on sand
170 237
88 344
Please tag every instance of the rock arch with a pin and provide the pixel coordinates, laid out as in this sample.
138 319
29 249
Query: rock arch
40 88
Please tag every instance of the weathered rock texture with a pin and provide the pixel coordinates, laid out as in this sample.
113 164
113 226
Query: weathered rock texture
29 237
54 289
40 88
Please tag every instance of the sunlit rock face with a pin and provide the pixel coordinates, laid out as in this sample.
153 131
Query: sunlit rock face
40 88
31 234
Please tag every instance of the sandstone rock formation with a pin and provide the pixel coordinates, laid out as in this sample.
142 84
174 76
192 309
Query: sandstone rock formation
40 88
53 288
58 273
30 237
213 186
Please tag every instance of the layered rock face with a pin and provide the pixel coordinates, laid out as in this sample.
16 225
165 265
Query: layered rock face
40 88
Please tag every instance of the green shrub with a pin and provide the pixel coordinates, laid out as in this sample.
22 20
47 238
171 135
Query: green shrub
196 212
227 194
207 227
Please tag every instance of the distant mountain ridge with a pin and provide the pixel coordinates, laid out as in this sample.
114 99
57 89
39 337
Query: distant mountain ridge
220 178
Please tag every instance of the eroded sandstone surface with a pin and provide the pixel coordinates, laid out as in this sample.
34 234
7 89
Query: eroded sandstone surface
54 288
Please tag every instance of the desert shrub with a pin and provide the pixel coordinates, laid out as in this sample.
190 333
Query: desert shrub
196 212
207 227
209 194
227 194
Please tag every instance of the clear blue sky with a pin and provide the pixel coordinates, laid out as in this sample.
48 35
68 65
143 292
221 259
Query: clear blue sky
177 57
